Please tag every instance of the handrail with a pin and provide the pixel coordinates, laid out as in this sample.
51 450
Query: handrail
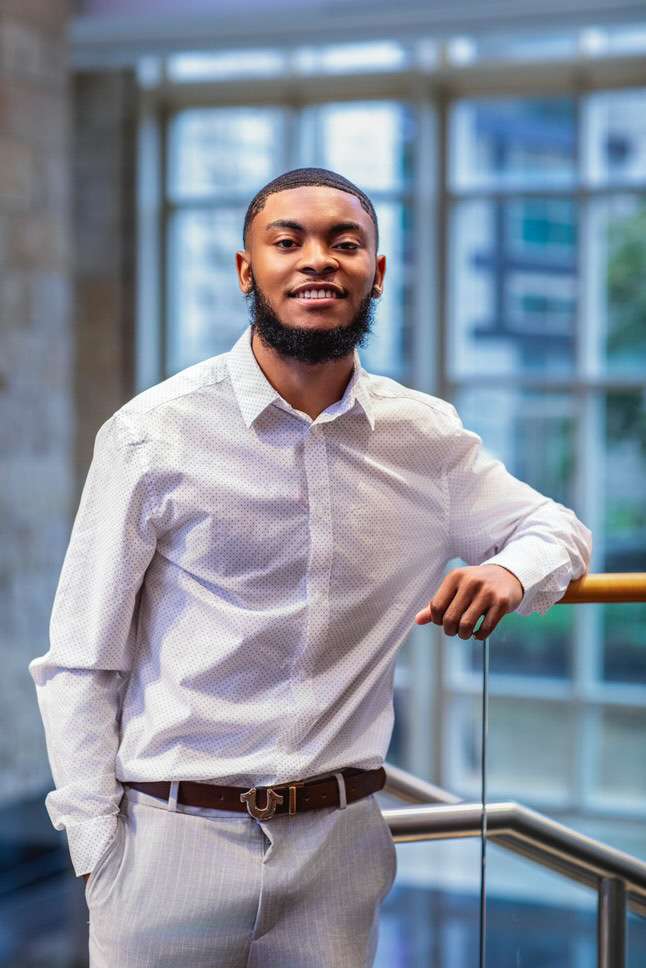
615 587
618 877
523 831
412 789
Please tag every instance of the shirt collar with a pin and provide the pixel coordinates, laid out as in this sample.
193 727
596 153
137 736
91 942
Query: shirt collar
255 393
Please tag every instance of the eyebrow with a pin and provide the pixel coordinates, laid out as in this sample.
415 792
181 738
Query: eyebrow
336 229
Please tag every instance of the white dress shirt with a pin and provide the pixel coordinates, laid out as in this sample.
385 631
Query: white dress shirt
240 577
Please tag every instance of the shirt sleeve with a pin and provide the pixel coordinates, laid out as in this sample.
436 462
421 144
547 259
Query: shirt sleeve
79 681
495 519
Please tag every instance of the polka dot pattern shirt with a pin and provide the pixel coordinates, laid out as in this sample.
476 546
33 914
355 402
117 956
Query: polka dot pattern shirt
240 577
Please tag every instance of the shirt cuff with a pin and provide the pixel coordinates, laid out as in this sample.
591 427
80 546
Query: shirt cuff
543 587
89 840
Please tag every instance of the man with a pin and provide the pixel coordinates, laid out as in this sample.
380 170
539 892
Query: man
256 536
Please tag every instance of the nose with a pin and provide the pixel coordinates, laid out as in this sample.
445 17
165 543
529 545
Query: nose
317 259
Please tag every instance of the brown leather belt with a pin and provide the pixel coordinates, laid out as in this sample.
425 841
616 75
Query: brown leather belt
291 798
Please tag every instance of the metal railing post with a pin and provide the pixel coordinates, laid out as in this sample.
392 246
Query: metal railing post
611 923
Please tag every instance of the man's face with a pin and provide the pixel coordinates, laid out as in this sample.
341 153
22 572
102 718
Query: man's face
311 266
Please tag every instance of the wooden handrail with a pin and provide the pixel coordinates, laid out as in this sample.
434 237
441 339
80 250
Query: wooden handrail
618 587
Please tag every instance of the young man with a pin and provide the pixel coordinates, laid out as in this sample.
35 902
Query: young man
256 536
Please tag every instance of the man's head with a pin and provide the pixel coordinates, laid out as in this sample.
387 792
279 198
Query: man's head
307 177
307 233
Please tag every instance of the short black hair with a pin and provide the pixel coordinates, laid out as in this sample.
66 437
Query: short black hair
299 177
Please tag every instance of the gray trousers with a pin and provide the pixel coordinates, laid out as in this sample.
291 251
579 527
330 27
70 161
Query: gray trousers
193 887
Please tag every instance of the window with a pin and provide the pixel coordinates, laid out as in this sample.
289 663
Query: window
514 226
546 361
219 157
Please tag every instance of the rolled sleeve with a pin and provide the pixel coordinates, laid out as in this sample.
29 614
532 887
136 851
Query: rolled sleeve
79 681
496 519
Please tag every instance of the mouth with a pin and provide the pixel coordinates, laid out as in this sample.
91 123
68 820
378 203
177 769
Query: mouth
317 295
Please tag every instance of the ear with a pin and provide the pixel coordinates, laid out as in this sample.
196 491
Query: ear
243 268
380 272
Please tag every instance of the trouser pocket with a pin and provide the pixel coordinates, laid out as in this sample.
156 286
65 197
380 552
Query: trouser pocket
104 869
390 851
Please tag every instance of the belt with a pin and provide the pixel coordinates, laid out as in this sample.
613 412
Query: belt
290 797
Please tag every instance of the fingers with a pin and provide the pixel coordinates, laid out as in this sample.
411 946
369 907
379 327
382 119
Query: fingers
491 620
463 613
469 619
434 611
463 597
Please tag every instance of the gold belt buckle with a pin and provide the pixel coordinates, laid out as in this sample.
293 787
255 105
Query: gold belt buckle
292 796
269 809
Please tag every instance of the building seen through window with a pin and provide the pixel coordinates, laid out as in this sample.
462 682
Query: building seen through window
543 352
512 212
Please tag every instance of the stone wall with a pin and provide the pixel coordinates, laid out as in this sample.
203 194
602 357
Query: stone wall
103 165
66 331
36 365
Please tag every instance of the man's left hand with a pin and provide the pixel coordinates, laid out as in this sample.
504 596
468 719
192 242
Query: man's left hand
469 592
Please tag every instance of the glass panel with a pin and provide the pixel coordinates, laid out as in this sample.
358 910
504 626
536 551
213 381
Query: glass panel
513 287
627 37
536 917
207 311
219 65
624 473
345 58
636 941
533 645
531 748
618 273
624 634
517 47
369 142
431 916
510 143
622 833
224 151
384 352
615 133
512 422
622 776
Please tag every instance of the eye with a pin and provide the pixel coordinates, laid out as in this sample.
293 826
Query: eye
290 243
353 246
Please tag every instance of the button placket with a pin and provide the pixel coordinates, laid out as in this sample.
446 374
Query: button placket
318 572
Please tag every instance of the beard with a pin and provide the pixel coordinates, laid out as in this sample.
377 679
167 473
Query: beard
309 345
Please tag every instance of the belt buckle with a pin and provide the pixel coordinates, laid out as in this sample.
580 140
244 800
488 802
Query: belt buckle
292 796
269 809
272 801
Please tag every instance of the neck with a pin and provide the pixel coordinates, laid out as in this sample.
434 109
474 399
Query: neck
310 388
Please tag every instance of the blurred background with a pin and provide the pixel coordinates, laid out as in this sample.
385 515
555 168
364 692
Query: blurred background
504 147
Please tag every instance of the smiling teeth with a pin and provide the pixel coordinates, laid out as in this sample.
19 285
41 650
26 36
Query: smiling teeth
316 294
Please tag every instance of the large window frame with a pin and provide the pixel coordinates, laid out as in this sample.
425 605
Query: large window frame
431 91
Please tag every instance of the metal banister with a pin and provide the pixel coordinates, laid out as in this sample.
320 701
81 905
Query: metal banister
517 828
618 878
405 786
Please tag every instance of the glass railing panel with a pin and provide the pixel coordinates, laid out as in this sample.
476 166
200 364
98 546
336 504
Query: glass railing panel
535 917
566 737
624 643
530 749
431 916
636 941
